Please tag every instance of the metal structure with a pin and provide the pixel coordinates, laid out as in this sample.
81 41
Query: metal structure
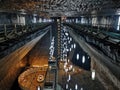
62 7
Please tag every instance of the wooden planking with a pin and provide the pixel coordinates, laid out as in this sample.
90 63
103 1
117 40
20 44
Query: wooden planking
13 60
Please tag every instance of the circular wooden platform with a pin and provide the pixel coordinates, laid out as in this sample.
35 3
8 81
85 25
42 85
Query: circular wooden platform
32 78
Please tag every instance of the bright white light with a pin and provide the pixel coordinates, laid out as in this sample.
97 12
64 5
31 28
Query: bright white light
50 67
69 77
65 63
38 88
58 20
93 74
66 34
44 20
70 67
76 20
76 87
50 20
70 39
66 86
70 49
67 50
83 59
68 60
81 89
77 57
40 20
70 89
66 70
118 27
68 80
69 42
74 45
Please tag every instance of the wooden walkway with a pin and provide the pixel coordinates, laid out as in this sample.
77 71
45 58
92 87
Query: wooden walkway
38 62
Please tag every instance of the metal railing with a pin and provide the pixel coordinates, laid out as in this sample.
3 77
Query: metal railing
10 31
107 41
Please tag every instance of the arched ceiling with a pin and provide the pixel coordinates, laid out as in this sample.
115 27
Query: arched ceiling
62 7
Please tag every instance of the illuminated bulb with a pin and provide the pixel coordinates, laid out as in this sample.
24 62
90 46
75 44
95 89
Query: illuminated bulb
38 88
67 50
69 42
70 67
68 60
68 80
69 77
93 74
76 87
50 67
66 70
66 86
70 39
66 34
83 59
77 57
74 45
65 63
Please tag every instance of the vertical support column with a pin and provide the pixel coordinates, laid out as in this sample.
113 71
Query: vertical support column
54 33
59 34
58 50
5 31
15 29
